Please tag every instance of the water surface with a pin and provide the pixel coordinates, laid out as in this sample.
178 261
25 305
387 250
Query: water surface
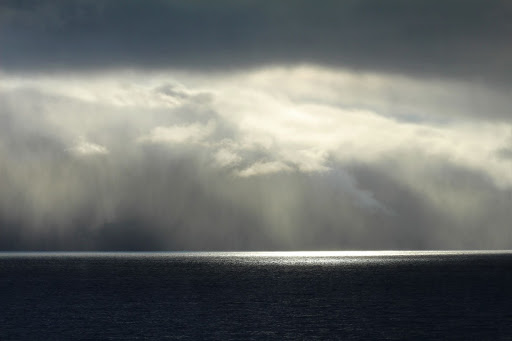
250 295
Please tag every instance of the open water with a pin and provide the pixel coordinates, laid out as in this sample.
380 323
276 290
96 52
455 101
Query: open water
256 296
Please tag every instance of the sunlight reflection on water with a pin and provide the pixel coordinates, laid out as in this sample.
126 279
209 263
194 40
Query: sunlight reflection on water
332 257
368 295
274 258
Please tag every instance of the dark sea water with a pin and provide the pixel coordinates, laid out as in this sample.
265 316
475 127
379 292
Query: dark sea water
257 296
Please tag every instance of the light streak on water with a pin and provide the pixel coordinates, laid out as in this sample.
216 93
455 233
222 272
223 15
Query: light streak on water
275 258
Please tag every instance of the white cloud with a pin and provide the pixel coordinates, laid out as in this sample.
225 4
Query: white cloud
84 147
303 118
307 116
180 134
264 168
226 158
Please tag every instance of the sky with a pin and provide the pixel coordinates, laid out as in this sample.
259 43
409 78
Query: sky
255 125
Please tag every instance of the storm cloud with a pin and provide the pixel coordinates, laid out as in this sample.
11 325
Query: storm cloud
255 125
466 39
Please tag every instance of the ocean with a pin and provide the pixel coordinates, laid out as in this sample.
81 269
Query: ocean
256 296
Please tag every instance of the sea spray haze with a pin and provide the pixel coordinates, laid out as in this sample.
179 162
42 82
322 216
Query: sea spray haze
255 125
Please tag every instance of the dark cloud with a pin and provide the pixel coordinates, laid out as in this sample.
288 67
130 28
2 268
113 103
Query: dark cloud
469 39
446 207
505 153
161 206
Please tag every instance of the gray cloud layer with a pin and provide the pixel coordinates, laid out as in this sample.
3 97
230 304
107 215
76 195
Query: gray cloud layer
466 39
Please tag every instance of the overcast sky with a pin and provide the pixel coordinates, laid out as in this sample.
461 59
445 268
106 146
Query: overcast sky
255 125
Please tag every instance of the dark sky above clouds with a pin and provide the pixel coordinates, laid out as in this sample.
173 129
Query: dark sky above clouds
255 125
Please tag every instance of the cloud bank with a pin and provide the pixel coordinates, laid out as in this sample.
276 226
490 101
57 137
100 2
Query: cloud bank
252 125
